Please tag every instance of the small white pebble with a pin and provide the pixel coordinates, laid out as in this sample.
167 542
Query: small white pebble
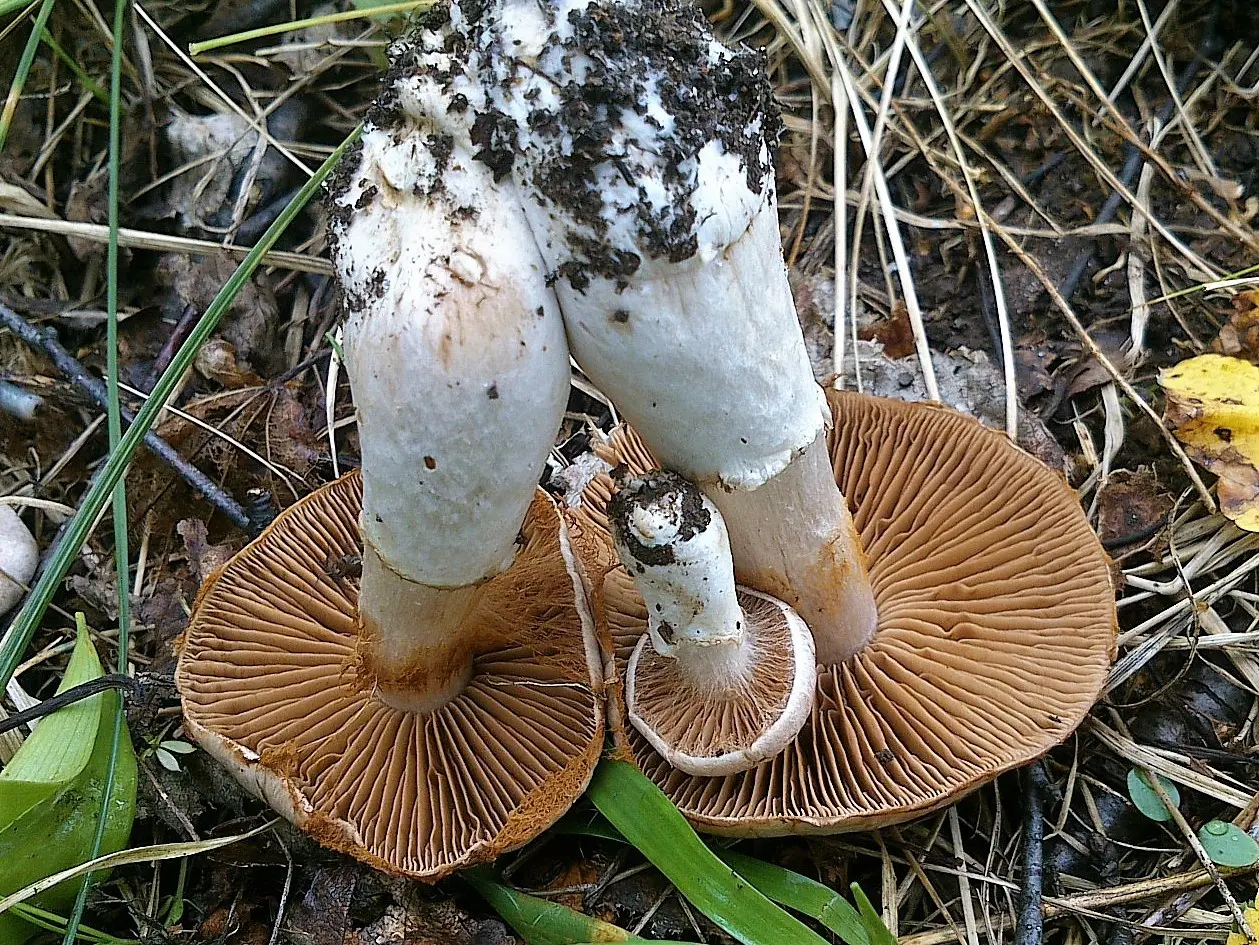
19 556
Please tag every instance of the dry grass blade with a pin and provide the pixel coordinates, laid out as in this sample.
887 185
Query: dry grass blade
1063 306
990 250
150 854
1212 784
893 232
139 239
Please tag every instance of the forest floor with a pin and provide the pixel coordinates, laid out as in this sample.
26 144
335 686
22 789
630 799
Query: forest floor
1114 150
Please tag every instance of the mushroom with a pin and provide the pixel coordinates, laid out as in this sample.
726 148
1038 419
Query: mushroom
444 706
996 628
965 621
728 679
642 148
19 557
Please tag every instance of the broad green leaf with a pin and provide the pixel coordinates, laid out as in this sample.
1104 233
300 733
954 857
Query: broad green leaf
60 746
1146 799
1228 845
647 819
50 793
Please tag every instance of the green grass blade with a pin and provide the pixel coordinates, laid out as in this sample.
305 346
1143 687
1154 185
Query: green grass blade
800 893
122 551
12 6
878 932
24 625
647 819
72 64
51 922
23 70
539 921
783 886
376 10
59 749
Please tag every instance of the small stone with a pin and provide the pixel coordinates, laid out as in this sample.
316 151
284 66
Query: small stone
19 556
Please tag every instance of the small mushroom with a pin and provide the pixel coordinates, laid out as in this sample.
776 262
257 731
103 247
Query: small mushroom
19 557
444 705
728 677
996 628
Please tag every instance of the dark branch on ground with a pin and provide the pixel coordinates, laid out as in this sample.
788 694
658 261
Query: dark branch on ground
62 699
202 484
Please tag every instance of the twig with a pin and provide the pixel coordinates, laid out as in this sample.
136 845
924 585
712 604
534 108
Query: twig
1031 925
62 699
17 402
78 375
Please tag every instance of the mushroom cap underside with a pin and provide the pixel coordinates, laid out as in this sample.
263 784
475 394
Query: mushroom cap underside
996 629
269 673
710 731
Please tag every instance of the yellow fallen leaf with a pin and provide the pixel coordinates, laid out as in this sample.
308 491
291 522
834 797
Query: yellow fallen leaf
1252 919
1213 408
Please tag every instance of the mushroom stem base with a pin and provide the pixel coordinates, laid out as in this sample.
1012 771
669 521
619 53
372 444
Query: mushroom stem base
793 538
717 668
410 641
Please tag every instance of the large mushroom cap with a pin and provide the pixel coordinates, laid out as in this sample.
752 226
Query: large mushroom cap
271 685
996 630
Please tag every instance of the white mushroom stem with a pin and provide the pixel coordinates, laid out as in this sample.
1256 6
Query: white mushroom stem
673 542
19 557
793 538
457 358
653 201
